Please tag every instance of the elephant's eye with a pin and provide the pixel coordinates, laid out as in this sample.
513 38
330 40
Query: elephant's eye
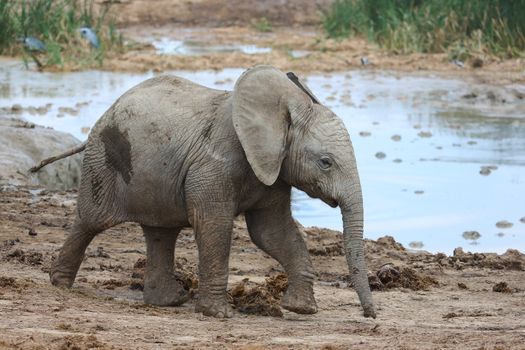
325 163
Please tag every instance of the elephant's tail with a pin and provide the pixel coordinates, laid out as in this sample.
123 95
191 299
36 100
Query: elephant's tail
77 149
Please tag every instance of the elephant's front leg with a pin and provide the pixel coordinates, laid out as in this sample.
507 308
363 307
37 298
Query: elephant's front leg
213 223
160 284
274 231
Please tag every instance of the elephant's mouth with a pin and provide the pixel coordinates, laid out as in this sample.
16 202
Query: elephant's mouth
331 202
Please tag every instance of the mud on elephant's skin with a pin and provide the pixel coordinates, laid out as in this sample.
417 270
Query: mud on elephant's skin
170 154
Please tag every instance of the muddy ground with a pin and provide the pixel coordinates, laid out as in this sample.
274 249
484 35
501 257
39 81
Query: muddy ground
425 301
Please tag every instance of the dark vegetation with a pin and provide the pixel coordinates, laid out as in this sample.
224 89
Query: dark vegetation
56 23
461 28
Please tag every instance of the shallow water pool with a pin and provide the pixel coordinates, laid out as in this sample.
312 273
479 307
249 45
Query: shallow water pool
421 143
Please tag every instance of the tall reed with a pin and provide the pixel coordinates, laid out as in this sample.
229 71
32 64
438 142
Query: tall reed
458 27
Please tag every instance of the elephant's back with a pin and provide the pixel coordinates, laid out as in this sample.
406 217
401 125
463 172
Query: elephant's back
140 150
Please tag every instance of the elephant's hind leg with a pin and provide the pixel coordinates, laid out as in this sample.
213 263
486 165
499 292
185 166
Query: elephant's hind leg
161 287
65 268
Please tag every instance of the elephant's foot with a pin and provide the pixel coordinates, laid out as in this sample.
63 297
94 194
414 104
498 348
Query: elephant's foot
164 291
219 308
61 278
299 300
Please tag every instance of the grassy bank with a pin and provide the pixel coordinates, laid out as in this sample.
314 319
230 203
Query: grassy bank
463 29
56 23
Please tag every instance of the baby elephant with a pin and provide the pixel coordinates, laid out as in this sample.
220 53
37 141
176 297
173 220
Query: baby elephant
171 154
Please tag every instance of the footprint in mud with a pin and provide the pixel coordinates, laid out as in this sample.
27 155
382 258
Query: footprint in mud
471 235
504 224
396 138
365 133
380 155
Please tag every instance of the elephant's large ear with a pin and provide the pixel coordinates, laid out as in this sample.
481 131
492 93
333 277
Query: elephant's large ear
263 99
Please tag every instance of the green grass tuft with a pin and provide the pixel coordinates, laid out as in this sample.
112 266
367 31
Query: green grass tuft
56 23
460 28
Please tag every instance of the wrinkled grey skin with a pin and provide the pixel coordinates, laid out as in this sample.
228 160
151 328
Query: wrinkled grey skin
171 154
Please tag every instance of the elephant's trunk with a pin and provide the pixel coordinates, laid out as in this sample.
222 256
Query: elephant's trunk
352 212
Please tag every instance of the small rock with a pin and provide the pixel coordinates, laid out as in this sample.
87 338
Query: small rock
471 142
417 126
365 133
522 220
32 232
16 108
470 95
500 234
397 160
462 285
416 244
365 61
470 235
504 224
419 191
396 138
380 155
424 134
450 315
491 96
485 171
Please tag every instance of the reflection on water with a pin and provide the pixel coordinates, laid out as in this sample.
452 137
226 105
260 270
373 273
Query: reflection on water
425 186
167 46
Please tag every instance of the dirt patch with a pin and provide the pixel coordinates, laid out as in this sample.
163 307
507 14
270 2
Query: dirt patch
218 12
104 304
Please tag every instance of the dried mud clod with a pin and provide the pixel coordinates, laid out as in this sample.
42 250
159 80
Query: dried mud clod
256 299
511 260
502 287
8 282
390 276
27 258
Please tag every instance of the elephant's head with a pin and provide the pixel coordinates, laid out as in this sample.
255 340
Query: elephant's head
286 133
